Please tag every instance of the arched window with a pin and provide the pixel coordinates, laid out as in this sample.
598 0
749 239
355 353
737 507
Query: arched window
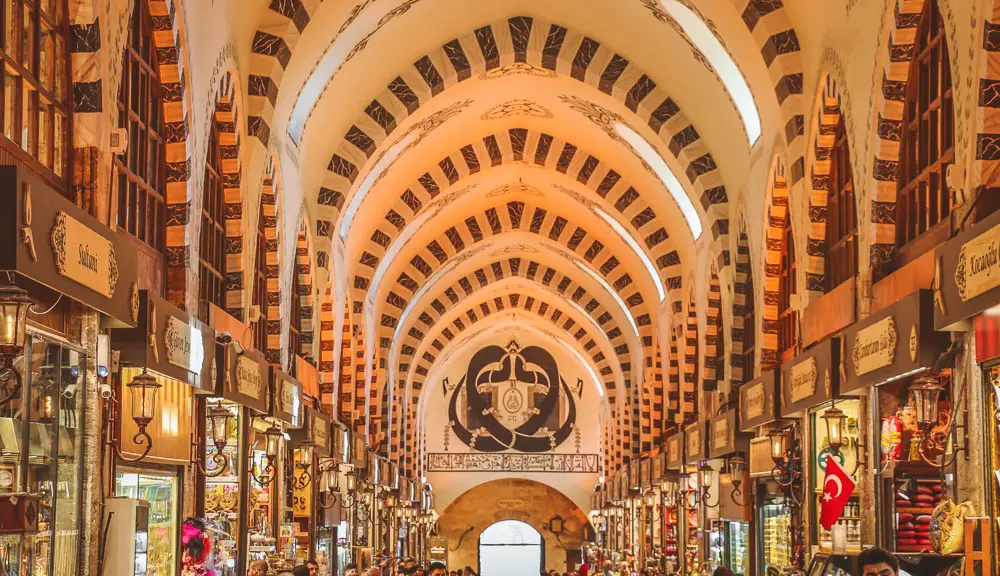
260 285
841 214
141 170
923 202
749 330
213 228
788 324
36 80
295 319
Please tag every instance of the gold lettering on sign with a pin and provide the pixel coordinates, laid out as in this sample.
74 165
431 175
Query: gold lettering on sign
875 346
321 432
802 380
290 400
978 266
694 443
84 256
755 400
184 345
674 448
720 434
249 381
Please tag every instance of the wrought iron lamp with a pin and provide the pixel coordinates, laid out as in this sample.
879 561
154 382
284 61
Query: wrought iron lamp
142 390
736 466
14 305
218 418
329 484
785 472
705 474
272 440
926 398
304 464
349 497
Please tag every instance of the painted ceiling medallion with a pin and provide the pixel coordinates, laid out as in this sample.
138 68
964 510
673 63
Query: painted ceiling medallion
512 398
517 69
517 107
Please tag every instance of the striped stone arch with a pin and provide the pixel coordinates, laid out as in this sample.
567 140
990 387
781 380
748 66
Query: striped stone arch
227 122
889 104
527 45
828 113
304 290
547 307
275 39
988 113
518 145
777 211
327 358
743 304
771 27
345 383
715 345
692 351
270 199
674 384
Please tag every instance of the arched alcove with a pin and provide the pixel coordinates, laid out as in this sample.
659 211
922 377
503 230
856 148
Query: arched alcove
510 547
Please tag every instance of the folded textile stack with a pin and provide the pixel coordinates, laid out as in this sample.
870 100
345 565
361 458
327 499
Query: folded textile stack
914 504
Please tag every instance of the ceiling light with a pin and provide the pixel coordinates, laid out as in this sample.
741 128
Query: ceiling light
718 57
649 154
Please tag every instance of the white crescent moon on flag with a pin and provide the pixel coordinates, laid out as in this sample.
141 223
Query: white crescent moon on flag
840 486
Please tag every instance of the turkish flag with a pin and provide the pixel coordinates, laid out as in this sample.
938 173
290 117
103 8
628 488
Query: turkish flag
837 490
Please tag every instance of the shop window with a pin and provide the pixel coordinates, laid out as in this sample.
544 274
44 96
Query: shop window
749 330
788 318
923 202
213 228
141 169
36 80
841 214
260 285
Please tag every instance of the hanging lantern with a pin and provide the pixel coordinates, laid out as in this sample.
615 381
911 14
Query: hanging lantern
352 481
143 394
14 304
736 465
273 436
706 472
306 449
926 394
219 418
777 446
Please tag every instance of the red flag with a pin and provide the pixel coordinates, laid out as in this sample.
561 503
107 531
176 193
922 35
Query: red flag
837 489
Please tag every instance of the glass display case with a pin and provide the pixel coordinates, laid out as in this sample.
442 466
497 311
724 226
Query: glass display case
222 494
41 453
729 545
162 490
775 521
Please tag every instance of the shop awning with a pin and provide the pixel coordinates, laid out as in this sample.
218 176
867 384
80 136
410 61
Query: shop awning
810 378
54 242
170 342
894 342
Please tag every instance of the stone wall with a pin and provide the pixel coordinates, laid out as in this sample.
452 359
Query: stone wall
511 499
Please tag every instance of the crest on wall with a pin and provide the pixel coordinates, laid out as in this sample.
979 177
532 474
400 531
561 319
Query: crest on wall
512 398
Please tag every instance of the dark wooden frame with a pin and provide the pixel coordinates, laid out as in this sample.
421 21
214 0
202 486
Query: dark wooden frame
788 317
749 330
212 255
294 320
141 171
260 285
927 143
841 262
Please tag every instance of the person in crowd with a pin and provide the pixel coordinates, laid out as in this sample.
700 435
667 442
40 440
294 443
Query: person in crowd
375 571
877 561
313 567
453 573
722 571
259 568
437 569
300 570
351 570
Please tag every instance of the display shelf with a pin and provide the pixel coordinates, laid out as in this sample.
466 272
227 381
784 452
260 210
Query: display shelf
914 510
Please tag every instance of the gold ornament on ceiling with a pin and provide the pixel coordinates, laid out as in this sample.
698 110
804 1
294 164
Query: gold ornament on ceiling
517 69
517 107
518 187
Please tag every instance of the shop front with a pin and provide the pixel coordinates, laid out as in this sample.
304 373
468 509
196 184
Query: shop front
222 457
772 475
61 266
308 445
166 361
888 358
967 299
729 529
696 489
673 516
290 498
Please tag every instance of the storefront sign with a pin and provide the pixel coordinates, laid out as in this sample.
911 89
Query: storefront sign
895 341
694 442
321 432
810 378
184 345
249 378
721 434
84 256
675 456
287 393
875 346
978 268
802 383
725 438
757 401
56 243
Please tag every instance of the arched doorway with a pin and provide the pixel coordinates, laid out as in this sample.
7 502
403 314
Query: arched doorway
511 548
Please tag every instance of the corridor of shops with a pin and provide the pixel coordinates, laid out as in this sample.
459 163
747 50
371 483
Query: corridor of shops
499 288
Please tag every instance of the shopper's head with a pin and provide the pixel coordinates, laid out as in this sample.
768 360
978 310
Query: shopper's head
351 570
257 568
301 570
878 562
375 571
722 571
437 569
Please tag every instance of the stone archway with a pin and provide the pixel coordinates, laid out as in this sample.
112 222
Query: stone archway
510 547
469 515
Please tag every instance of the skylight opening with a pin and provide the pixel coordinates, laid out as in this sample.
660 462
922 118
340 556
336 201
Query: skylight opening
649 154
717 55
586 364
620 230
614 293
328 65
381 166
